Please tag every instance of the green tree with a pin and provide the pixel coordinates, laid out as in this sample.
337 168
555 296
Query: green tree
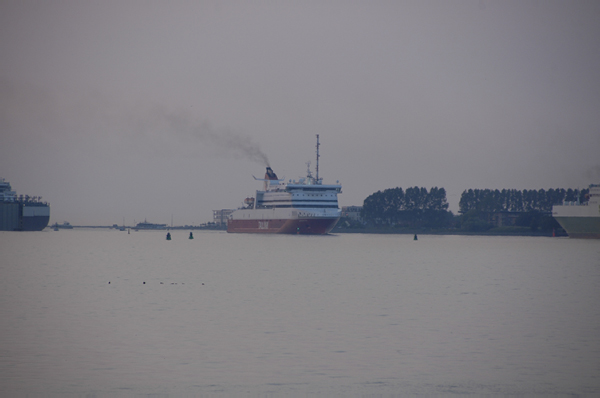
473 221
414 207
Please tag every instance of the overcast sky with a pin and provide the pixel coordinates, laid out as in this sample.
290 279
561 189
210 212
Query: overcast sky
117 110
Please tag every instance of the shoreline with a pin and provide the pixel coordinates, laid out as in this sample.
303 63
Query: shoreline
491 232
509 231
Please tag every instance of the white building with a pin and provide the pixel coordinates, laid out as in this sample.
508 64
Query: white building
352 212
220 216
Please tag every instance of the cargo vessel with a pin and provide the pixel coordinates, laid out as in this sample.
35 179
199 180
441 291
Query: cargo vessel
306 206
21 213
147 225
581 219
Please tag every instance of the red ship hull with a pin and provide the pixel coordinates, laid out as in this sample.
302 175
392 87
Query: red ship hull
282 226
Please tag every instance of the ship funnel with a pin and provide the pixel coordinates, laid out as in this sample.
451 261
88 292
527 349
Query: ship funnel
270 178
270 174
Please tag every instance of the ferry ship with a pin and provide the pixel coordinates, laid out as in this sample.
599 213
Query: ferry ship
581 220
306 206
21 213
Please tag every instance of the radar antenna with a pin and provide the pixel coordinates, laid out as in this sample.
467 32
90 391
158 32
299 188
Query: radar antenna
317 168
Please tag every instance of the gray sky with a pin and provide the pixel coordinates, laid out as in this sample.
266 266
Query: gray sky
147 109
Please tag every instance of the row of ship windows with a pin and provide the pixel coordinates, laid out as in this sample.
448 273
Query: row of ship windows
312 194
296 204
299 201
295 197
313 188
299 206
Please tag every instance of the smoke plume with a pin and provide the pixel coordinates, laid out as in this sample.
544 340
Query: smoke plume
228 143
101 121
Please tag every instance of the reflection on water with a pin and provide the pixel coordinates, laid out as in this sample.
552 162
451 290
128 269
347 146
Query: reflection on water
98 312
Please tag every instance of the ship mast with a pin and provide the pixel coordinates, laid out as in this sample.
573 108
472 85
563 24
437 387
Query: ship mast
318 158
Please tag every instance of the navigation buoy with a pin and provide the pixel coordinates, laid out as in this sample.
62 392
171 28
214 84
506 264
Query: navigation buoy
415 238
168 236
191 236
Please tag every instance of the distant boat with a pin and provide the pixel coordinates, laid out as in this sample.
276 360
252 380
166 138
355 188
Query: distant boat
64 225
148 225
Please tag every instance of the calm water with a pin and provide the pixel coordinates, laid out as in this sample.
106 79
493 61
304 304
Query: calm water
249 315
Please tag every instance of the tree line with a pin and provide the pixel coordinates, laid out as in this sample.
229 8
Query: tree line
415 207
418 207
487 200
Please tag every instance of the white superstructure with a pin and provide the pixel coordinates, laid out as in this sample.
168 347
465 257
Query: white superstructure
581 220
